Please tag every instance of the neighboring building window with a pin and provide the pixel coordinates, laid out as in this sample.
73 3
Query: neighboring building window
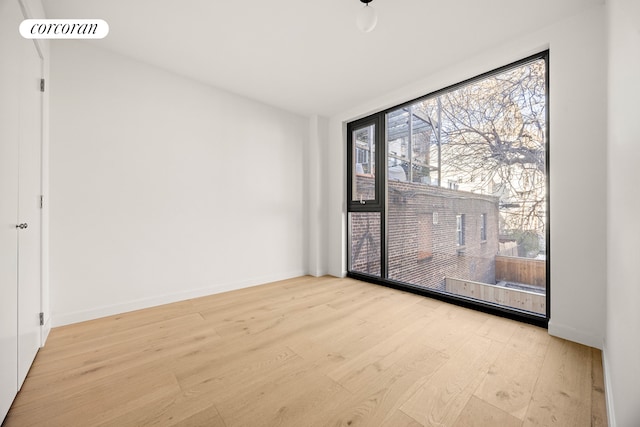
364 149
460 229
362 159
483 227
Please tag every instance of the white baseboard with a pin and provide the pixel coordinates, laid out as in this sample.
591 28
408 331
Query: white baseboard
318 272
61 319
608 390
337 273
575 335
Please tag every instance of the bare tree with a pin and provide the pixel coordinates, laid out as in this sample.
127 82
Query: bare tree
491 137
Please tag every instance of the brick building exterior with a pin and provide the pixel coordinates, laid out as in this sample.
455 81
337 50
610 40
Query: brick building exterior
432 233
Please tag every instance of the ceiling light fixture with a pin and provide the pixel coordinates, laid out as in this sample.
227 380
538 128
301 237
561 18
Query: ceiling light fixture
367 17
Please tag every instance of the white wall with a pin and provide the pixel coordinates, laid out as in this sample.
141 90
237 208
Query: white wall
316 177
163 188
577 164
622 344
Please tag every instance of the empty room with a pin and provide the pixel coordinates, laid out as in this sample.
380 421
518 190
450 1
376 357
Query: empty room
319 213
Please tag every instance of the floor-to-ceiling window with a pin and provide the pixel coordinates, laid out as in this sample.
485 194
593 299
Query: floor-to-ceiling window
448 194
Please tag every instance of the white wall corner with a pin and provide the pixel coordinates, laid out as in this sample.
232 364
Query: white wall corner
336 195
576 335
316 196
306 202
608 389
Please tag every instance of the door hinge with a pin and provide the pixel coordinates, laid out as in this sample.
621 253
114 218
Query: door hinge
41 202
41 319
41 85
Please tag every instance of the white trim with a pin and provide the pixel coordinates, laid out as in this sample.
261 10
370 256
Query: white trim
61 319
45 332
575 335
608 389
27 13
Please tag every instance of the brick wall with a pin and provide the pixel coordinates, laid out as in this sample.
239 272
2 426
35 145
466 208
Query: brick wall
365 242
422 250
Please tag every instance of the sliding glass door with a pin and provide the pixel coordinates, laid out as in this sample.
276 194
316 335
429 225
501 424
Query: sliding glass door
448 194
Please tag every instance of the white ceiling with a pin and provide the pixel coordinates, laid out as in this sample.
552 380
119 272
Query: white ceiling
307 56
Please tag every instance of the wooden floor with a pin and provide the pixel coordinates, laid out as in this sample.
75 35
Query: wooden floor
310 352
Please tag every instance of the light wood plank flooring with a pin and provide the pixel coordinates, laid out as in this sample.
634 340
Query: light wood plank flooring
310 352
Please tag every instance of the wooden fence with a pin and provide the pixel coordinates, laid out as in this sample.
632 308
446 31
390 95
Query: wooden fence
515 298
521 270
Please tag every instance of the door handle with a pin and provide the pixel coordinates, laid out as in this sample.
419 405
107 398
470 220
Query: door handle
22 226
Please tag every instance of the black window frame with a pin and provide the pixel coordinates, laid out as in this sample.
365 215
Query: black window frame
379 204
374 205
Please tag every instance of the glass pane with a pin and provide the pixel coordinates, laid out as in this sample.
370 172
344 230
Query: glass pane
467 190
364 242
364 163
412 141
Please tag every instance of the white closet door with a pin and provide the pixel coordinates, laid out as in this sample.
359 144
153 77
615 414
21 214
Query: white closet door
29 212
10 55
20 189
